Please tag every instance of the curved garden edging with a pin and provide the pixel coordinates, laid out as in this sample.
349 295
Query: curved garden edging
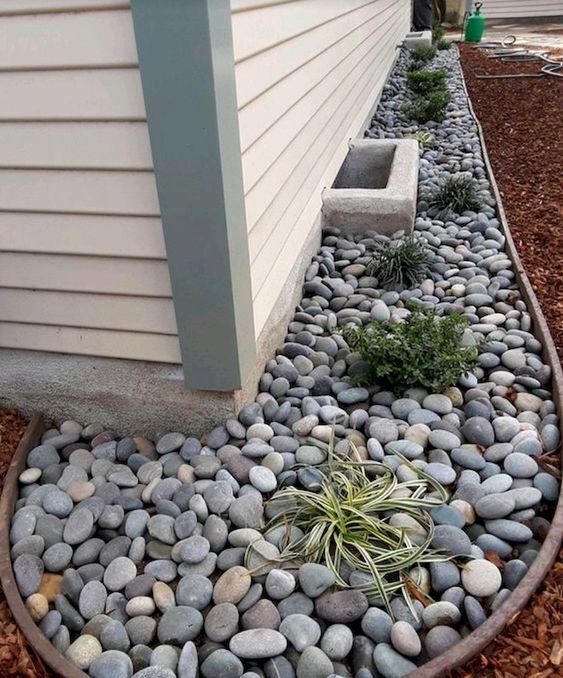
28 627
458 654
486 633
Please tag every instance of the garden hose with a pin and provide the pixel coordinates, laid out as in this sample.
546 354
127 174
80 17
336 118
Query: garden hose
504 51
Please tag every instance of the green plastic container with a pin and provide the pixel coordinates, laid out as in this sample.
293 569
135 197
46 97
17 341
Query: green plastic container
475 25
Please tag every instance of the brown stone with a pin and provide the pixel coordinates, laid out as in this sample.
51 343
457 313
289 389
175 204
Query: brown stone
50 585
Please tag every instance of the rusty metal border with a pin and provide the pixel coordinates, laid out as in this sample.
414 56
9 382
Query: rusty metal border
40 643
437 667
486 633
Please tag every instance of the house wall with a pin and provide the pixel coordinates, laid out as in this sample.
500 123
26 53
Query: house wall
82 260
308 73
508 9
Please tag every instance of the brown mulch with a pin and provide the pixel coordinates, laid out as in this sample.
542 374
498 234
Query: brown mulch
16 657
531 646
521 120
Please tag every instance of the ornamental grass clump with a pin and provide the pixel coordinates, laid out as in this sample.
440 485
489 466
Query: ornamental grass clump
424 138
443 44
346 523
457 194
423 350
424 81
401 264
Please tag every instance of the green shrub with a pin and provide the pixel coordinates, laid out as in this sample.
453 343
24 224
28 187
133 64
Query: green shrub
432 106
421 55
443 44
425 81
401 264
457 194
438 32
424 350
346 522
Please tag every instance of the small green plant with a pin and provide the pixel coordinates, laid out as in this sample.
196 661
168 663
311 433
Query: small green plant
346 522
438 32
424 138
425 81
430 107
401 264
424 350
422 54
457 194
443 44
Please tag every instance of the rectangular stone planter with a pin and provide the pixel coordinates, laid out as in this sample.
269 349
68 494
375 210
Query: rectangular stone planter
418 38
375 188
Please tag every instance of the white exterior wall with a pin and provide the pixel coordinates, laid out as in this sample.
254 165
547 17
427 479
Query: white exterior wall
513 9
308 72
82 261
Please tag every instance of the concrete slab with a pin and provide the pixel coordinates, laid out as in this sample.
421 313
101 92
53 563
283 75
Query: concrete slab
376 187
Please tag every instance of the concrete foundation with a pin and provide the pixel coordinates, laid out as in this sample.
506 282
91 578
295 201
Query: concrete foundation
132 396
376 187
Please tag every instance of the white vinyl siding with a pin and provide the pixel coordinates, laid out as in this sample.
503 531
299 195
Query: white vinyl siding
308 72
82 260
514 9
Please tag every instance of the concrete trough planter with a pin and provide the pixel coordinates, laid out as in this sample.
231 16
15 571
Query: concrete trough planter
418 39
375 188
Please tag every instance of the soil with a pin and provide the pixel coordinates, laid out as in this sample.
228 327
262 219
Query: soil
521 120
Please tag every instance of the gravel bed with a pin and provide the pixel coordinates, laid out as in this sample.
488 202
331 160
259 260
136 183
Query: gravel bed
132 553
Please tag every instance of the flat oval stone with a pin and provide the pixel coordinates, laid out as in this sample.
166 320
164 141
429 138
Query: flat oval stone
315 579
481 578
28 570
509 530
405 639
119 573
111 663
232 585
442 613
179 624
341 606
300 630
520 465
83 651
78 527
258 644
220 663
495 506
451 540
390 663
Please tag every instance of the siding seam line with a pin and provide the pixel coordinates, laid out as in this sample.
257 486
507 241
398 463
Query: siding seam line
267 48
308 92
344 79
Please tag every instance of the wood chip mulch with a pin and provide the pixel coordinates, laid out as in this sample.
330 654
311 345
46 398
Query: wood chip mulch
16 656
531 646
521 120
